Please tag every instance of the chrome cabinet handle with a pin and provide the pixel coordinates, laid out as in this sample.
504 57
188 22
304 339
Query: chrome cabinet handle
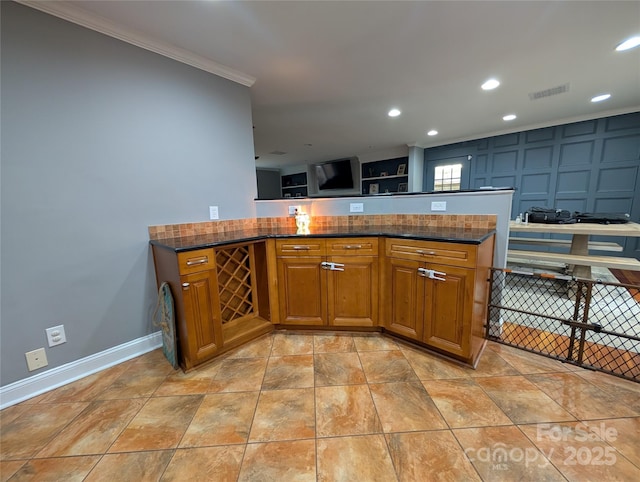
353 246
332 266
432 274
198 261
301 248
185 285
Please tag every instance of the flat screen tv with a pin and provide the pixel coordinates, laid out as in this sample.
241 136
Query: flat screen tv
334 175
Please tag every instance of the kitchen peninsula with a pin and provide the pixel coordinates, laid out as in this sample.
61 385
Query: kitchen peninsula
422 278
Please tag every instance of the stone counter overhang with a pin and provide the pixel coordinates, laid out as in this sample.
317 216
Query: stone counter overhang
425 233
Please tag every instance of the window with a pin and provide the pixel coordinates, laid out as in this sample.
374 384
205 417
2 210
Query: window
447 178
447 174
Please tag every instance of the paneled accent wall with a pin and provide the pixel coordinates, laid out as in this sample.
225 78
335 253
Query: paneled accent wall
591 166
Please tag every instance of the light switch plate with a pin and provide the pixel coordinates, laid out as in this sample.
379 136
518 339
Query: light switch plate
293 209
438 205
56 335
213 212
356 207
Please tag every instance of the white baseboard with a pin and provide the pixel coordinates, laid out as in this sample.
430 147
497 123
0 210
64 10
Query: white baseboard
56 377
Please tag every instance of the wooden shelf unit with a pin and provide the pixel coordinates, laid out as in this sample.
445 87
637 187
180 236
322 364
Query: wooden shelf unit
385 175
295 185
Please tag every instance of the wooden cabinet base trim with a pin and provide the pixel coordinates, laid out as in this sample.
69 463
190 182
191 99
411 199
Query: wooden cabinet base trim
244 329
314 329
466 362
231 345
319 330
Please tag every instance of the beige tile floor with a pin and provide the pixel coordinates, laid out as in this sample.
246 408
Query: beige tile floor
330 407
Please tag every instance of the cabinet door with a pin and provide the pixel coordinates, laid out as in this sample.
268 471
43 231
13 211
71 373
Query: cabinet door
405 292
302 290
448 309
352 294
200 295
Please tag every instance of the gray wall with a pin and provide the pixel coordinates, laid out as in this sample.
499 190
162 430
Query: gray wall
99 140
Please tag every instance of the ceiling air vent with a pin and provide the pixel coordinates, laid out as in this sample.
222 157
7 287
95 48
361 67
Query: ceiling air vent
277 153
561 89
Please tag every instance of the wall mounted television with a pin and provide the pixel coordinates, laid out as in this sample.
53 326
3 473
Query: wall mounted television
334 175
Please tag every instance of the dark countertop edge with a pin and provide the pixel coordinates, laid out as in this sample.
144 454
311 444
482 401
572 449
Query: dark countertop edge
385 194
261 237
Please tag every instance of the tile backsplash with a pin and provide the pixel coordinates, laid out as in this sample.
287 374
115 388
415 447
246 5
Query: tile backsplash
466 221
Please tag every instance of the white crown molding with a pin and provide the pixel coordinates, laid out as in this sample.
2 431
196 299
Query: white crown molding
56 377
71 13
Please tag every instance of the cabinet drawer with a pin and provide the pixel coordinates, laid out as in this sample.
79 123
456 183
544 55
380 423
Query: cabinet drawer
195 261
353 246
432 251
300 247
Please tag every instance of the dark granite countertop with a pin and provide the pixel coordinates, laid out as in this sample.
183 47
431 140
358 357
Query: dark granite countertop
424 233
382 194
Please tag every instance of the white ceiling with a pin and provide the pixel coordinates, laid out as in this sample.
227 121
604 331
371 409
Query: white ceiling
326 73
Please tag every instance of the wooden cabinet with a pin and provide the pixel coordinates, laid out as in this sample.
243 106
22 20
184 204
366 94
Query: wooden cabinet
404 298
219 302
302 290
201 319
328 281
352 291
447 309
193 280
436 294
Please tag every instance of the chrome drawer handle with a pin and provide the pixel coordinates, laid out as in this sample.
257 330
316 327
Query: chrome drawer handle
199 261
432 274
437 275
301 248
332 266
426 253
354 246
185 285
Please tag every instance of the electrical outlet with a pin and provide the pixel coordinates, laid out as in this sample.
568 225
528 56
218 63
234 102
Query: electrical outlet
56 335
36 359
356 207
293 209
213 212
438 205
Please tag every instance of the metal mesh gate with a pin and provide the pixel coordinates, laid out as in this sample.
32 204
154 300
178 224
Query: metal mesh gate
588 323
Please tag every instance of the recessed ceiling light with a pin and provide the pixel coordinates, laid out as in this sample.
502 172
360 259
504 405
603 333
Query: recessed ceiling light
432 132
394 113
490 84
509 117
629 43
600 98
